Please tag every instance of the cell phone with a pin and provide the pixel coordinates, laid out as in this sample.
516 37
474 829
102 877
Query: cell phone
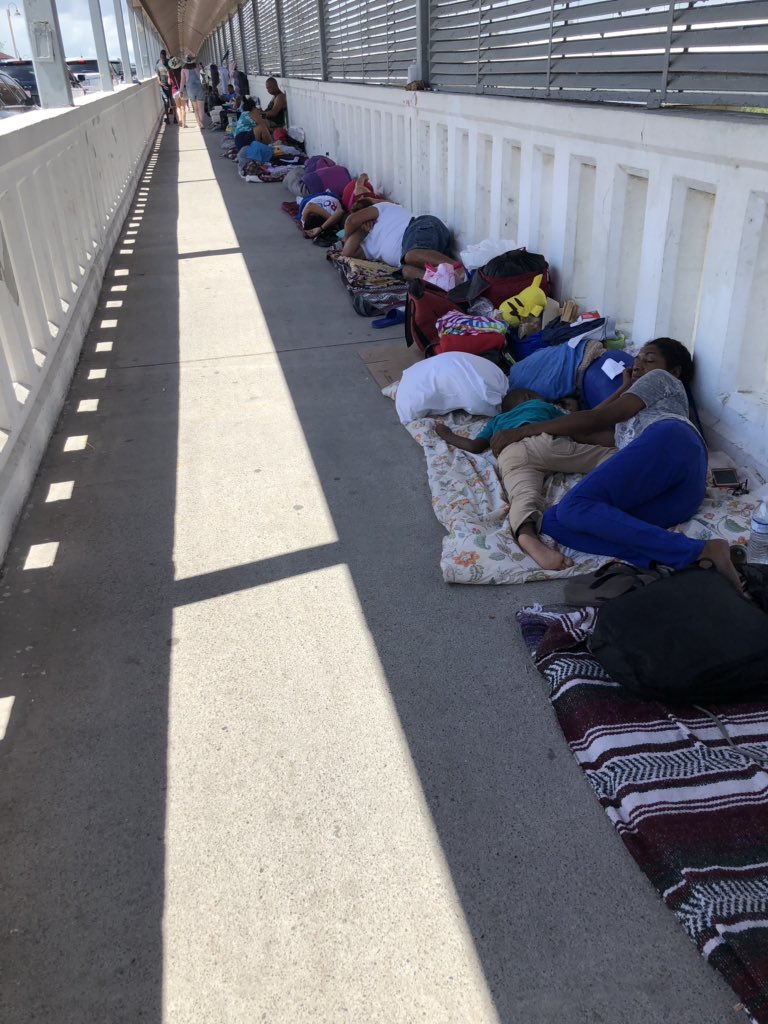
725 478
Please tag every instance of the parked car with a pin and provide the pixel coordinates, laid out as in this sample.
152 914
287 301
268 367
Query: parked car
86 71
23 71
13 99
117 66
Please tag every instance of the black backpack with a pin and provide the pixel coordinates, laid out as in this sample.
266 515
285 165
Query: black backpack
687 638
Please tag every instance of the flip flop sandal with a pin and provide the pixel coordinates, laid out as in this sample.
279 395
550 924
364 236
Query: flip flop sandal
609 581
391 319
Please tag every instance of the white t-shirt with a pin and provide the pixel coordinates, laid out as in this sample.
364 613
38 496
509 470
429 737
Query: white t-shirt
161 70
328 204
384 242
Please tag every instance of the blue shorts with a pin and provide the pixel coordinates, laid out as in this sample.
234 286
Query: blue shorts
426 232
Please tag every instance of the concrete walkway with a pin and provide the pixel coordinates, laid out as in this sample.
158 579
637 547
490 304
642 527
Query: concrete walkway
261 764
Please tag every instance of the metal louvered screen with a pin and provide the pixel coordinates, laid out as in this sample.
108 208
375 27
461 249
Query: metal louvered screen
237 42
249 39
301 38
371 41
667 53
692 52
268 28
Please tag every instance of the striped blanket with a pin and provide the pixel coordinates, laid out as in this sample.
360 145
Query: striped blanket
691 807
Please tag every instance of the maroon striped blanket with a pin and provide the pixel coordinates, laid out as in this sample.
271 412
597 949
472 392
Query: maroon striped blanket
691 806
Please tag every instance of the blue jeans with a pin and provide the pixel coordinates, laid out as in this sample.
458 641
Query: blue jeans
625 507
426 232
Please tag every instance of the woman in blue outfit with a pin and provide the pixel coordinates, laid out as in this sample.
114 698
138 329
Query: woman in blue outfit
192 87
657 478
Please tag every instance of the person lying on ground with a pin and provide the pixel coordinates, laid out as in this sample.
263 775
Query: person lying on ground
524 465
657 478
359 188
258 152
321 213
274 115
391 234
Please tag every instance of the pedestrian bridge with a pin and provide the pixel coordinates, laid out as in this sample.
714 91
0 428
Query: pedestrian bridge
259 762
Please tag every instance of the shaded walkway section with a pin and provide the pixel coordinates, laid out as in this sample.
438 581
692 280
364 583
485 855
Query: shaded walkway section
260 762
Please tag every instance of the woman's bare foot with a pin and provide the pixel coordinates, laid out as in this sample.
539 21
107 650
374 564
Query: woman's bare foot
544 556
719 553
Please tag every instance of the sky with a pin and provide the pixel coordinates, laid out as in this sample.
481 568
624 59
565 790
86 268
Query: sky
76 31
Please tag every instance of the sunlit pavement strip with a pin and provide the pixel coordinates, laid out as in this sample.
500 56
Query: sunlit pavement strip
259 764
297 829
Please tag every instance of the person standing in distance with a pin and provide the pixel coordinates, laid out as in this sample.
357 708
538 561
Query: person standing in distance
164 78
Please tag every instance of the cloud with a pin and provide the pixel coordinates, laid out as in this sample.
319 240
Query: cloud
76 31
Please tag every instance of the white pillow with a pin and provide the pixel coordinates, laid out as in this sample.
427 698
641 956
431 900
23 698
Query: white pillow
450 381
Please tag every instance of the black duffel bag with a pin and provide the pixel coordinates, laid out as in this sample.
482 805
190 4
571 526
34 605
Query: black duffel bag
688 638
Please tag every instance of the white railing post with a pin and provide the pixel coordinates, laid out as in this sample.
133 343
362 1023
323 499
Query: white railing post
125 59
48 53
53 257
135 40
102 54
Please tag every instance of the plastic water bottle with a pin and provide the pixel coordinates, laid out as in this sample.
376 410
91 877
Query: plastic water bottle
757 550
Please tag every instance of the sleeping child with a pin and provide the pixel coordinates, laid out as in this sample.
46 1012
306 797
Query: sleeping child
524 464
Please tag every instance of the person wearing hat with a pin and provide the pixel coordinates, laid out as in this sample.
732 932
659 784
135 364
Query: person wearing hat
179 99
191 83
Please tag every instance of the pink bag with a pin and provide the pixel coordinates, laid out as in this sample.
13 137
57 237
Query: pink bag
444 275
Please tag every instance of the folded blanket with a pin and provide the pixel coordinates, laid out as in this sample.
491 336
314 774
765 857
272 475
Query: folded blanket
372 286
690 806
365 273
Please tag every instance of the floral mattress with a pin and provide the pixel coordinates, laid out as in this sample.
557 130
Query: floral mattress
469 500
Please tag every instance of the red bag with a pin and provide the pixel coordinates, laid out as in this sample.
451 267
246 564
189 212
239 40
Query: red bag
476 344
504 276
424 306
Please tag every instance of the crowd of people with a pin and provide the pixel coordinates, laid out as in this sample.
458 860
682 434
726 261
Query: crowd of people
217 95
644 458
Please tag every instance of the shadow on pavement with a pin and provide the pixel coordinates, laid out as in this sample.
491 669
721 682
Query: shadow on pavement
85 658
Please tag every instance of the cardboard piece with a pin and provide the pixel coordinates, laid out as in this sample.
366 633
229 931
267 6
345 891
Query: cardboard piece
386 360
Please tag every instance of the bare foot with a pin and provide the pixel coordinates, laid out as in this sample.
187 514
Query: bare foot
546 557
720 555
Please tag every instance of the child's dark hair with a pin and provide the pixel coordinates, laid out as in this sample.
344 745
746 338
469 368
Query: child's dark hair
676 356
515 397
362 204
249 104
313 220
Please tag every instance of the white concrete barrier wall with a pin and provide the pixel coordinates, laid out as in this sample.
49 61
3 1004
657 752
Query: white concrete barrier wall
66 180
657 218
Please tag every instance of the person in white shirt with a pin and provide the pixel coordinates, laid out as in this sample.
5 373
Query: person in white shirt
391 234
